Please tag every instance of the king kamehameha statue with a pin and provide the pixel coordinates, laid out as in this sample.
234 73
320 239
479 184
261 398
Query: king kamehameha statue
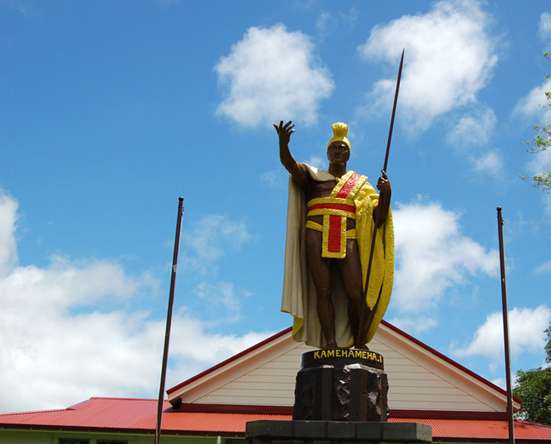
339 266
332 216
338 280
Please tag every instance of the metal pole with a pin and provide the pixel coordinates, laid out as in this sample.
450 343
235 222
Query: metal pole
169 319
505 328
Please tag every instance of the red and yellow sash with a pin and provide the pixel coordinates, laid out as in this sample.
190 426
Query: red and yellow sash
335 209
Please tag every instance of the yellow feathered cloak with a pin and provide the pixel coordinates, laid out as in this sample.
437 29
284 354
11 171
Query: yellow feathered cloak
299 297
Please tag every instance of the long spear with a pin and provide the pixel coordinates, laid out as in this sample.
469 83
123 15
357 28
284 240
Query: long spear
364 324
169 319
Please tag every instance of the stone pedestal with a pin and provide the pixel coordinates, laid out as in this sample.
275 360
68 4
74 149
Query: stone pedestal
341 385
332 432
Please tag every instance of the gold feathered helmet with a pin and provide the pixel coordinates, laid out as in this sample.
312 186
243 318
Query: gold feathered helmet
340 131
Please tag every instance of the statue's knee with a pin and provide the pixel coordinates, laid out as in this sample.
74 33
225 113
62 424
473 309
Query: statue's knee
324 294
357 297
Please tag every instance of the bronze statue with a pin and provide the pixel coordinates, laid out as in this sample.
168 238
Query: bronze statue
331 219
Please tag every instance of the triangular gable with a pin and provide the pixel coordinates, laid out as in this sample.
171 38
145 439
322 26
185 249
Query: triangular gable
420 378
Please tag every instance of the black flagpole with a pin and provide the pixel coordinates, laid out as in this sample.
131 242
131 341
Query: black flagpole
505 327
169 319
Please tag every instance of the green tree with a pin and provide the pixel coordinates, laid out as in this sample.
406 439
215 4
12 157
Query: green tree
534 389
542 142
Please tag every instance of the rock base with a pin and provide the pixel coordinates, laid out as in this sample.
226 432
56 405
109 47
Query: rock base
331 432
341 385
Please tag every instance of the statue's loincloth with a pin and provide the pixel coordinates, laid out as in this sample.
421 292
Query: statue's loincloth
335 210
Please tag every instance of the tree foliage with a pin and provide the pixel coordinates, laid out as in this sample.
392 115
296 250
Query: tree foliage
534 389
542 142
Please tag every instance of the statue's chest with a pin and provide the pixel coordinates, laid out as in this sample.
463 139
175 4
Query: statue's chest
320 189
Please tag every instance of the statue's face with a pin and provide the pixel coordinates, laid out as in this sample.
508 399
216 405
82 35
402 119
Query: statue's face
338 152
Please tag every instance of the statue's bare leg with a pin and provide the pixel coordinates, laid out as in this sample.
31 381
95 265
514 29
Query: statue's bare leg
321 275
351 273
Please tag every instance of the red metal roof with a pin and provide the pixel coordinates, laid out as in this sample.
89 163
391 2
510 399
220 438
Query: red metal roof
127 414
482 429
138 415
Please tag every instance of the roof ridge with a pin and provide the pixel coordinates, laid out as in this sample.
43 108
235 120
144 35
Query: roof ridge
30 412
121 398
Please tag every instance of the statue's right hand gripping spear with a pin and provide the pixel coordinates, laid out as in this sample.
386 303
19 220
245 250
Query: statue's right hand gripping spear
367 318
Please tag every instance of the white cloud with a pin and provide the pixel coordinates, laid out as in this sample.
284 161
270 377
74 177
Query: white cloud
275 179
533 105
536 106
220 295
415 324
208 240
450 56
189 359
323 22
547 203
470 134
544 268
22 7
272 74
338 20
473 129
540 162
8 251
316 161
65 336
58 286
433 255
545 25
526 334
490 163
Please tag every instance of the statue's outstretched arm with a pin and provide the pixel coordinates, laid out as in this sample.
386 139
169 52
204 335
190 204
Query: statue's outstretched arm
284 131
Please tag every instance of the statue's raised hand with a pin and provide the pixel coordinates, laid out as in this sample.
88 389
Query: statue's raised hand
284 131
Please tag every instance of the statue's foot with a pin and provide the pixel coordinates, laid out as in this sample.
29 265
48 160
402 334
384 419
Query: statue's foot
361 347
331 345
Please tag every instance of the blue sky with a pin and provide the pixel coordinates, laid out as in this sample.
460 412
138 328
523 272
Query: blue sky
111 110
